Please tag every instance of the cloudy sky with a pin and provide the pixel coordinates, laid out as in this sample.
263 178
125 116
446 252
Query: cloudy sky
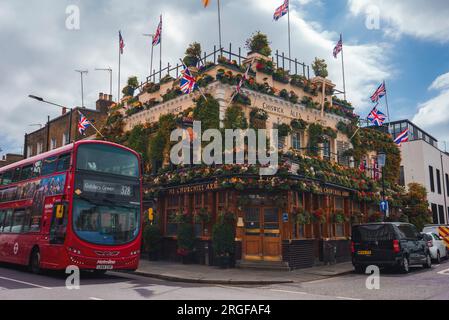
405 42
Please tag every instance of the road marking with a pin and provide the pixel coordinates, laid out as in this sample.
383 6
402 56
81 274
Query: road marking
98 299
444 272
346 298
286 291
27 283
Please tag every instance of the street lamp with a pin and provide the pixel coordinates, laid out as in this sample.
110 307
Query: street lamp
110 77
40 99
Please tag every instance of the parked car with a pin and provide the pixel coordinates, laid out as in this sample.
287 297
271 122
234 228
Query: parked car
394 244
436 246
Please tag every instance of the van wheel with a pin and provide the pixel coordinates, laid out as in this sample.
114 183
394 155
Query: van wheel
405 266
438 257
359 269
428 263
35 262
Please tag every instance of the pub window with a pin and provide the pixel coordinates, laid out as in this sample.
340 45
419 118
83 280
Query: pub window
296 140
327 150
49 166
17 221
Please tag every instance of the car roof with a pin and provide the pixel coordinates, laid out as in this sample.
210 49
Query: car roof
386 224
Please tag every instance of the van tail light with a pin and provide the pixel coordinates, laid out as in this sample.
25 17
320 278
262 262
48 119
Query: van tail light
352 247
396 246
430 243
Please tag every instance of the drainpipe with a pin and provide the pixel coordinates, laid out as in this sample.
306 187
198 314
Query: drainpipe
444 188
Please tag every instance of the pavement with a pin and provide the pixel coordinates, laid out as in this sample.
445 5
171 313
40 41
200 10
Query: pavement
212 275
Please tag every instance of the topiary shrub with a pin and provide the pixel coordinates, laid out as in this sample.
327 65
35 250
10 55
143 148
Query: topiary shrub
259 43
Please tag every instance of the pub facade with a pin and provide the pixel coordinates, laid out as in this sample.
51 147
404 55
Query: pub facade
298 218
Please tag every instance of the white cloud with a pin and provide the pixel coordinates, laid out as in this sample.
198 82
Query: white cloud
425 20
41 54
433 115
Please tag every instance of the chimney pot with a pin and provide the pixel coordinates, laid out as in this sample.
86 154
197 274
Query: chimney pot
110 97
101 96
64 111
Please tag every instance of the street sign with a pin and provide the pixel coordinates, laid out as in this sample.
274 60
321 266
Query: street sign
285 217
384 207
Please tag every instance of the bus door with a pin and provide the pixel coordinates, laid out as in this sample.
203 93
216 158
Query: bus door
55 227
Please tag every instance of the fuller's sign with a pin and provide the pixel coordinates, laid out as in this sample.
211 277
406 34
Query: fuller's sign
194 189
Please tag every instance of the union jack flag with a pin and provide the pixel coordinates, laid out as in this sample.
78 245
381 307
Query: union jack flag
338 47
376 117
380 93
242 81
188 82
83 124
401 138
158 34
121 42
281 11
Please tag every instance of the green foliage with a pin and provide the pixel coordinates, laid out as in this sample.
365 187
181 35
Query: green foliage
172 94
208 112
186 239
161 139
235 118
259 43
281 75
416 205
223 235
284 130
315 132
132 85
152 238
242 99
299 124
319 67
194 50
138 141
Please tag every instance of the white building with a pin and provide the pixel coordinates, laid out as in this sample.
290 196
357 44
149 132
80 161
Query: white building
424 163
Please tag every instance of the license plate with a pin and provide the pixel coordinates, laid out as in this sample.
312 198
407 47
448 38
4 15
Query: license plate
364 253
105 267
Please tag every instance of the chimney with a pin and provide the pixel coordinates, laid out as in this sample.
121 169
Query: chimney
110 97
64 111
104 102
101 96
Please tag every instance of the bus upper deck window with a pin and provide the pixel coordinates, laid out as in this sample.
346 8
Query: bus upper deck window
49 166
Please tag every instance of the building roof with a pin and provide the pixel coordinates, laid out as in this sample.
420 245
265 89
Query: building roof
409 122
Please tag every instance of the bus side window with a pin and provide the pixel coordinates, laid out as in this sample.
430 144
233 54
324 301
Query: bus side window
27 221
63 163
16 175
1 175
2 219
37 168
49 166
7 177
17 221
7 222
27 173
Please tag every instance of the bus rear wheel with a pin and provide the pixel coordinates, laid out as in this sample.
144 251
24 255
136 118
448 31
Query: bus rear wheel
35 262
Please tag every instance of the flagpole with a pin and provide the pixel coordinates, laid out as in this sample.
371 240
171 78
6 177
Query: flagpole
289 39
388 109
343 65
160 52
151 61
219 25
119 69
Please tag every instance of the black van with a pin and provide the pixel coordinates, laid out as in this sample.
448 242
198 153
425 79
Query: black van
398 245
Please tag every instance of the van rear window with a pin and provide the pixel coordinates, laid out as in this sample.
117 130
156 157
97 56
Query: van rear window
373 233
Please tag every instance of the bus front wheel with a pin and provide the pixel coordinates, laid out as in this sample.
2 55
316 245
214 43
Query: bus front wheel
35 261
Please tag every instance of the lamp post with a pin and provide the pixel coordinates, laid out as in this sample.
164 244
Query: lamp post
57 105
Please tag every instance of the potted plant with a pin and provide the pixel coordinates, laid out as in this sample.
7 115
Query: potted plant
131 87
258 43
223 239
152 238
319 67
339 217
186 237
202 216
192 55
319 216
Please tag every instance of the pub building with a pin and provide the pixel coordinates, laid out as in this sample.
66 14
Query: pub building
298 218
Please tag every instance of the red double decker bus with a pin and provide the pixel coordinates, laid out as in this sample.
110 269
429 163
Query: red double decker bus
79 205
